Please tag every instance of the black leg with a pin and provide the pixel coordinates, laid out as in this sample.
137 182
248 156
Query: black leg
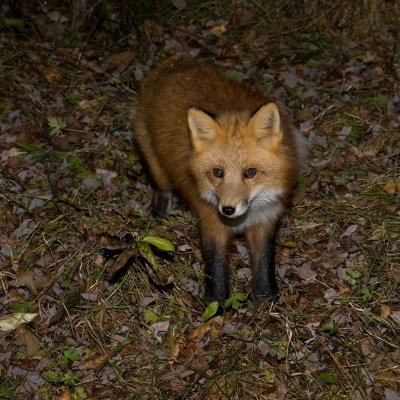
264 284
162 202
216 279
262 251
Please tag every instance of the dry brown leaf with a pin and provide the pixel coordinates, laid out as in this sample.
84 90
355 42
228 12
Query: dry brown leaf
216 324
373 148
291 245
376 362
95 363
392 187
377 234
395 274
201 331
350 230
180 373
28 342
52 75
122 260
176 350
385 310
127 349
34 283
306 273
333 259
220 28
159 329
305 114
187 345
66 395
121 60
8 154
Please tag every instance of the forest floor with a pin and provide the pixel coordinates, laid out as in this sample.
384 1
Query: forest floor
99 300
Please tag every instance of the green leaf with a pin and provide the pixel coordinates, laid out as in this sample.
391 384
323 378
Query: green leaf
150 316
56 125
162 244
80 393
72 98
210 359
328 378
366 295
236 300
352 276
330 328
69 379
52 377
5 393
69 354
236 75
146 252
74 163
211 310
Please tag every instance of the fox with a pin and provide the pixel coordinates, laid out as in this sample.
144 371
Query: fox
232 155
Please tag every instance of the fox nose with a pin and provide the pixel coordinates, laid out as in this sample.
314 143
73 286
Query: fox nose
228 210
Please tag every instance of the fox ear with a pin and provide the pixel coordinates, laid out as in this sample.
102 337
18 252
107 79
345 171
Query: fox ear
204 129
265 125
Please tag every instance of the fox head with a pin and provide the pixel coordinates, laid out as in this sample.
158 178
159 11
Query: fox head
238 159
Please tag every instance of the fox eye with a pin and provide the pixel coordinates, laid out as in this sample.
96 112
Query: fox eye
218 172
249 173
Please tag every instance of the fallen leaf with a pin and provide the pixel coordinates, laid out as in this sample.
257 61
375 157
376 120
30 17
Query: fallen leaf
373 148
385 310
95 363
391 394
121 60
376 362
127 349
333 259
350 230
8 154
157 272
181 373
219 28
55 16
122 260
52 75
391 187
12 321
264 348
200 332
179 4
306 273
28 342
64 395
33 282
291 245
159 329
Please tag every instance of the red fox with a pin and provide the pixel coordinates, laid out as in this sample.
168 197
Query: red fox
230 153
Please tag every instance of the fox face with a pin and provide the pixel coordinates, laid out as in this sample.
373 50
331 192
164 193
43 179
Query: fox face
238 165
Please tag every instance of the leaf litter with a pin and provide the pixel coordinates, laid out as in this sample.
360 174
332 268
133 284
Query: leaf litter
115 294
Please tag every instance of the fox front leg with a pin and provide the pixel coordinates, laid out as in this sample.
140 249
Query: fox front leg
215 244
261 242
162 202
216 276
